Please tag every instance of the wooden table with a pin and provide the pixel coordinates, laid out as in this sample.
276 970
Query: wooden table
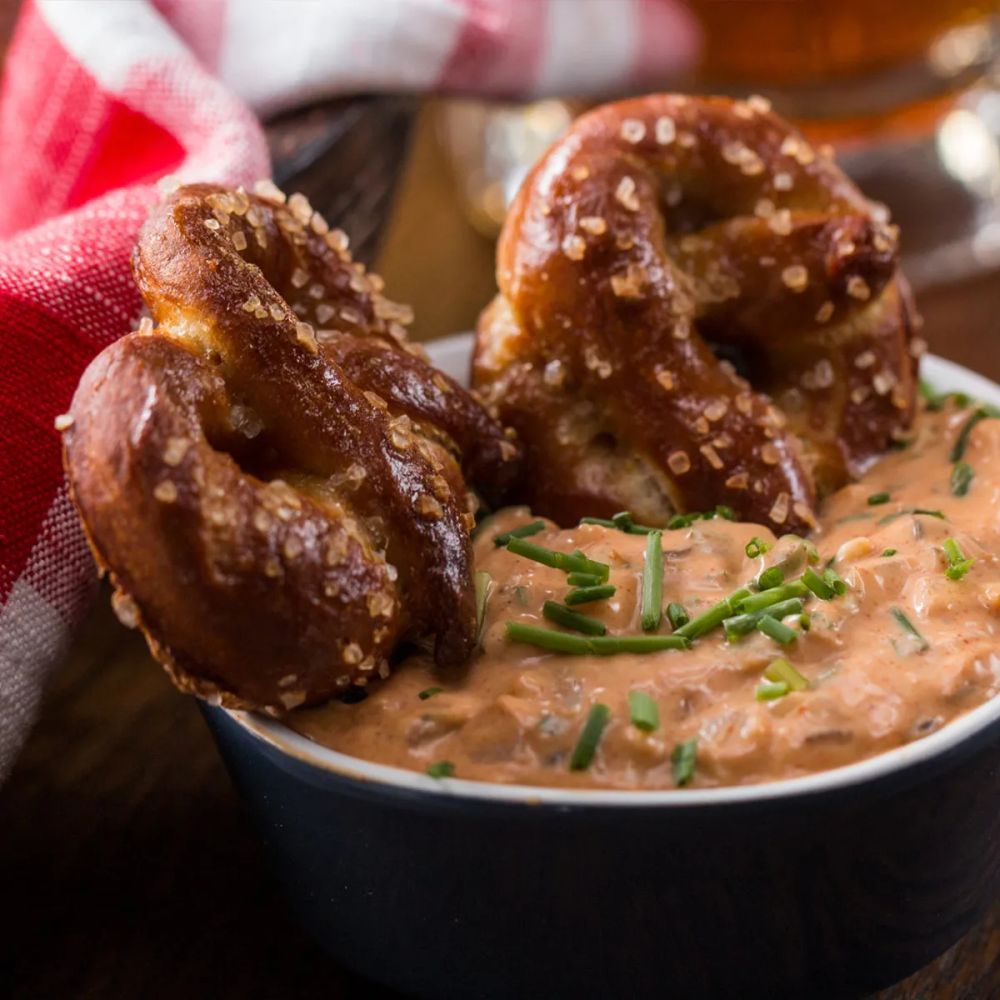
127 866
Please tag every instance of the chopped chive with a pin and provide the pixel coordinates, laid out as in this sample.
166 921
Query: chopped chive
756 547
817 584
522 531
570 562
778 631
909 627
912 510
714 616
834 579
781 670
583 580
441 769
958 563
585 595
741 625
961 478
770 690
962 441
621 521
521 593
429 693
878 498
644 711
677 615
484 587
757 602
770 578
682 761
652 583
590 736
582 645
805 621
686 520
889 552
562 615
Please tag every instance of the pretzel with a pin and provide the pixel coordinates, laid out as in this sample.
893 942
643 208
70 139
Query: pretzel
273 475
654 228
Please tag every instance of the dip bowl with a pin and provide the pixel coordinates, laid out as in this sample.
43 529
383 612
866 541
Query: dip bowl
834 884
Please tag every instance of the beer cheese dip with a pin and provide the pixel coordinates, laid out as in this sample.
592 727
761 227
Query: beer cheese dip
900 635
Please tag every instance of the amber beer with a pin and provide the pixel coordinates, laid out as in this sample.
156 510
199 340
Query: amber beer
845 58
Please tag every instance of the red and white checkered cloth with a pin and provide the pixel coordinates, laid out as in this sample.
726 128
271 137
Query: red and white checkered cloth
102 97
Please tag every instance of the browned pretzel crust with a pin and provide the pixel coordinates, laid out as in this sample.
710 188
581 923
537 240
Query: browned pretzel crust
273 475
653 226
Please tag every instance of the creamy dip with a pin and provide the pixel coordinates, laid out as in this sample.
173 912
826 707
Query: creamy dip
517 712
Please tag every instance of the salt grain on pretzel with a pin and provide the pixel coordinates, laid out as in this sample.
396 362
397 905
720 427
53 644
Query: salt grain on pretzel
723 225
270 507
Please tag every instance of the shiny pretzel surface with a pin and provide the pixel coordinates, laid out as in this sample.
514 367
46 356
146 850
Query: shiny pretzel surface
658 229
274 477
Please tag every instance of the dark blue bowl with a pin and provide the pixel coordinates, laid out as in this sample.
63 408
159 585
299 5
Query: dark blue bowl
830 885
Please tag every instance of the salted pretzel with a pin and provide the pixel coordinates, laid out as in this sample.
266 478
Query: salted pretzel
273 475
654 228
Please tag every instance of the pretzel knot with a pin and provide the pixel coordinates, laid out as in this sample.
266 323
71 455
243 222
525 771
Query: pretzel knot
653 228
274 477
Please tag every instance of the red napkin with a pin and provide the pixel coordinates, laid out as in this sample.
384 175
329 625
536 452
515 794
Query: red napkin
103 98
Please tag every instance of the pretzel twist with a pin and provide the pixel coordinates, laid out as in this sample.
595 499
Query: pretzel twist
280 502
658 225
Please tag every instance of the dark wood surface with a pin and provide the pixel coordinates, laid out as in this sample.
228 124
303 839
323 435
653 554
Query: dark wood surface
127 867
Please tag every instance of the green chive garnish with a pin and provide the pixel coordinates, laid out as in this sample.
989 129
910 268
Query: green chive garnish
590 736
780 670
583 580
805 621
912 510
909 627
644 711
756 547
889 552
834 579
441 769
741 625
562 615
714 616
522 531
757 602
686 520
429 693
817 584
769 691
682 761
484 586
961 478
958 563
677 615
569 562
583 645
652 583
878 498
585 595
770 578
778 631
962 441
621 522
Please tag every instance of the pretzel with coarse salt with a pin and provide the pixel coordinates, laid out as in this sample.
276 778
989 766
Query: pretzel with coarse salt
272 474
659 226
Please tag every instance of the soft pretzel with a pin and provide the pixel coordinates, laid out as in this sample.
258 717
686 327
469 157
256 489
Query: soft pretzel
271 473
653 227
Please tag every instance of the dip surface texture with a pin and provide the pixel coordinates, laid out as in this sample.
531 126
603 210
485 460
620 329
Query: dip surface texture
516 713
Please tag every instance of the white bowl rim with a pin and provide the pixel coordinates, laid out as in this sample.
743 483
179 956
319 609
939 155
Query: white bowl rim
451 354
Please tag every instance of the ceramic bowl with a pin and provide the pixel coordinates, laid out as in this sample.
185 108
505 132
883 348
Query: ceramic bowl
829 885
